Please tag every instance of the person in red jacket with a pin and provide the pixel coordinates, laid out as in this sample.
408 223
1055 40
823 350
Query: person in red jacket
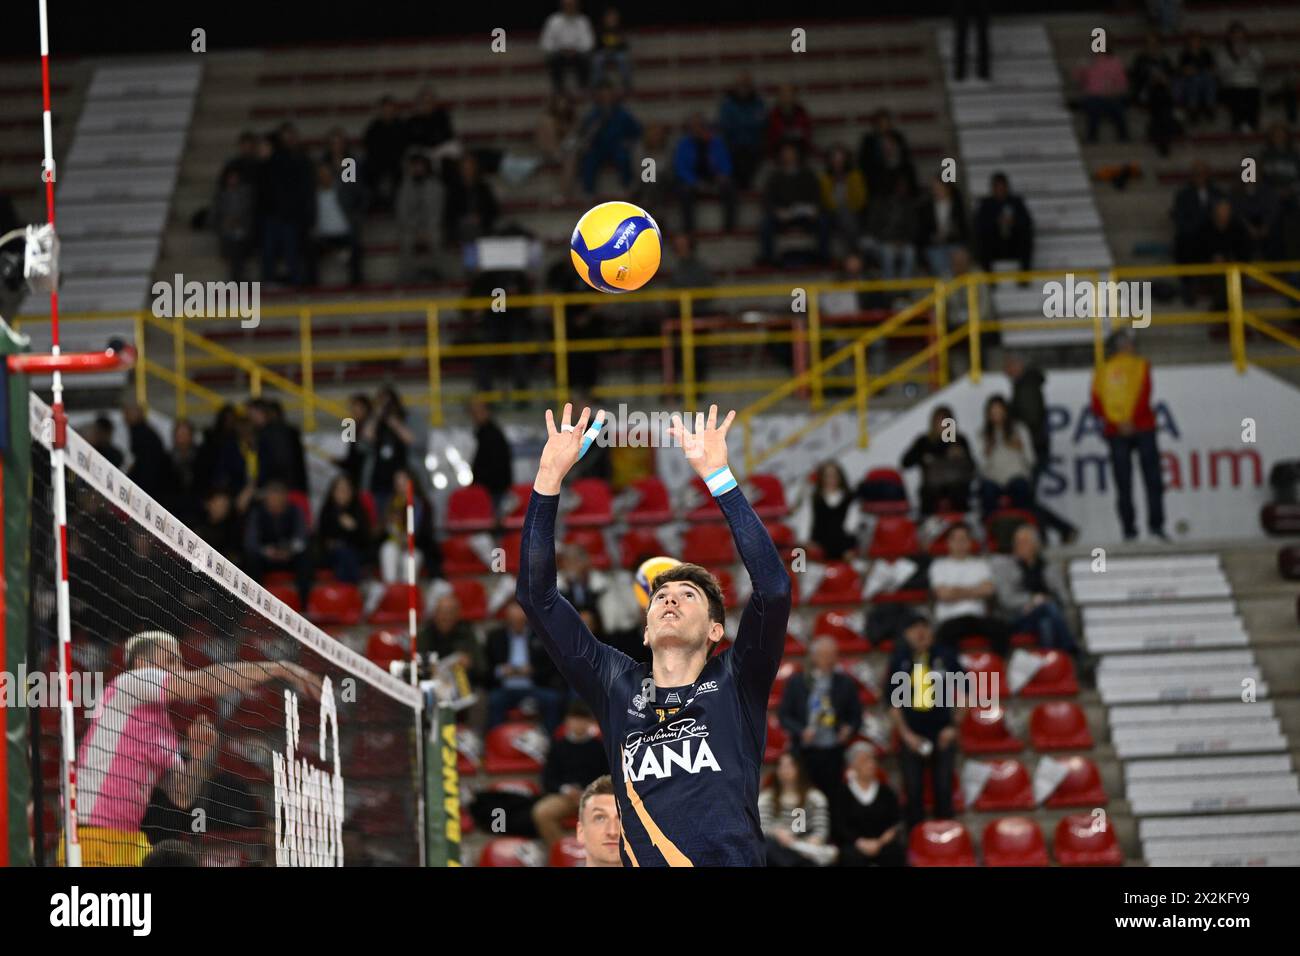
1121 398
788 122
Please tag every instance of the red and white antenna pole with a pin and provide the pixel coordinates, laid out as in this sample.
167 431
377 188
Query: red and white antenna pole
68 758
412 603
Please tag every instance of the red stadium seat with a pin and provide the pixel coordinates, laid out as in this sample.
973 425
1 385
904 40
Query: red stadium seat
1009 788
653 505
595 504
568 851
286 593
636 545
840 585
509 851
887 507
515 504
985 732
707 511
300 501
1059 725
473 598
990 664
393 606
787 670
940 843
895 537
839 625
510 544
1001 526
1014 841
782 535
770 493
458 558
729 598
502 751
470 509
776 740
709 544
1086 839
1054 679
1082 786
367 499
593 541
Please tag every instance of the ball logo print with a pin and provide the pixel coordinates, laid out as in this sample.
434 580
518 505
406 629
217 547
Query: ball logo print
616 247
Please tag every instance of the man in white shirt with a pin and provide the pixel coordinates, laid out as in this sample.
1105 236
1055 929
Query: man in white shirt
962 585
567 41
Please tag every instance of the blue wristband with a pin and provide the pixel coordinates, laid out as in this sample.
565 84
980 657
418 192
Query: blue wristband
721 481
588 436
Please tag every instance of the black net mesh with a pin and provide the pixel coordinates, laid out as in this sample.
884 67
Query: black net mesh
192 739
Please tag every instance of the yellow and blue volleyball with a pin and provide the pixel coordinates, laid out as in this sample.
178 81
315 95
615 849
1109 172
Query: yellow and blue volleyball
616 247
650 569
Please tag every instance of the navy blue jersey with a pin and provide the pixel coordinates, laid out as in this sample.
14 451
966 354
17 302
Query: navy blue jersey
685 760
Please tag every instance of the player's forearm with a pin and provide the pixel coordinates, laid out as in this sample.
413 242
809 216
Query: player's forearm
767 573
221 679
548 481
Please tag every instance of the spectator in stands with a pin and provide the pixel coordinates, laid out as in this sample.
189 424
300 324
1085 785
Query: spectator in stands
278 445
884 155
943 454
1191 215
1003 227
608 595
1149 63
100 437
343 533
1121 399
788 122
557 140
828 515
791 200
340 208
795 817
567 41
472 207
1006 459
1162 120
575 758
941 226
244 163
1239 78
393 546
219 460
1103 84
354 462
845 303
742 120
289 208
1224 238
185 496
866 820
1279 164
1196 89
660 191
962 584
844 198
386 139
609 131
702 165
150 466
492 465
519 669
892 225
390 437
925 719
429 127
275 538
964 12
234 218
419 206
452 638
220 525
1031 592
611 51
1256 207
599 828
821 711
689 270
1029 408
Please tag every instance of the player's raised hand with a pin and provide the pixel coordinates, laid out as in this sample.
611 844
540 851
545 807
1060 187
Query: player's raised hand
565 444
705 446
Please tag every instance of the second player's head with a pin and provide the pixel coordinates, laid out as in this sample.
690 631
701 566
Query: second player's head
599 828
685 610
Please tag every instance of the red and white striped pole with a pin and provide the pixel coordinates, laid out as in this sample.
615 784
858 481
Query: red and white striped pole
68 759
413 592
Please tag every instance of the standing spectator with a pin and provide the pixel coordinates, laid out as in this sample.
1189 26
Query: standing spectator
1224 238
452 638
942 226
1029 407
419 207
1256 207
343 533
701 165
290 204
1197 87
795 817
429 126
472 208
219 460
492 465
355 461
1031 592
821 711
892 224
926 722
275 538
1149 63
386 139
337 225
962 584
866 820
964 11
791 200
1006 465
1103 84
844 198
1191 214
575 759
742 120
1279 165
244 163
150 466
943 454
1162 121
185 496
234 217
219 525
557 139
1121 398
611 51
1003 227
101 439
884 155
391 438
828 516
608 130
278 446
567 41
518 669
788 122
1239 76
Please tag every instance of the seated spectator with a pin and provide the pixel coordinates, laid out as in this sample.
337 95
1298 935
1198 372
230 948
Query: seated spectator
337 225
1003 227
557 139
844 198
1256 206
1151 61
386 139
100 437
220 459
1103 84
287 202
419 206
574 760
1223 238
606 594
1031 592
821 711
1279 165
358 456
390 438
884 155
1006 459
429 127
788 122
946 464
452 638
280 455
866 820
609 131
1162 121
275 538
1196 89
393 546
567 41
942 226
892 225
702 165
795 817
234 212
742 121
611 51
518 669
791 200
220 526
1191 214
185 497
659 192
150 466
471 209
962 584
343 533
924 718
1239 73
828 515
